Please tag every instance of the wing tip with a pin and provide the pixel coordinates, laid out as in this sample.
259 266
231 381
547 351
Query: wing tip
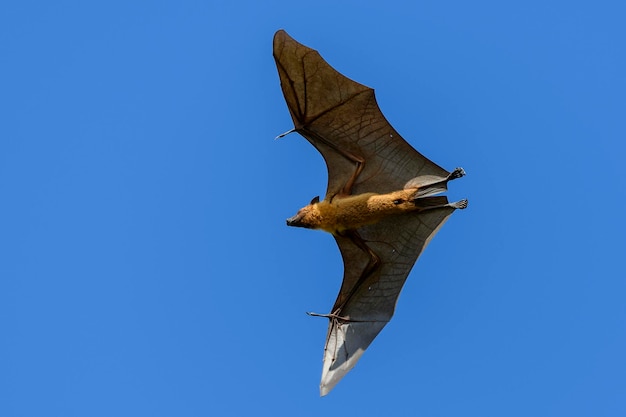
280 34
331 377
280 37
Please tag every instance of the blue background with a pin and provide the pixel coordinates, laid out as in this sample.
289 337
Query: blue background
145 267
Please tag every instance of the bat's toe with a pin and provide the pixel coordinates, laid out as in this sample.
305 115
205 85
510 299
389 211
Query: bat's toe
457 173
460 204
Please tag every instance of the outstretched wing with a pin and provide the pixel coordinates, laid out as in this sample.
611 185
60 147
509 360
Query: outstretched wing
367 302
341 118
363 153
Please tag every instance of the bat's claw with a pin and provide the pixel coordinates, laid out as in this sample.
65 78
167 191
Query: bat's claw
282 135
312 314
457 173
462 204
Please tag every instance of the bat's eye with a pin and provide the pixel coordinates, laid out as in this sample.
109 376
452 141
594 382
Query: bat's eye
398 201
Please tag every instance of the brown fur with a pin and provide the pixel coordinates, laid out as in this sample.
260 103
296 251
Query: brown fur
352 212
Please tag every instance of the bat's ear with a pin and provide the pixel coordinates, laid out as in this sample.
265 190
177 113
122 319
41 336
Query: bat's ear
315 200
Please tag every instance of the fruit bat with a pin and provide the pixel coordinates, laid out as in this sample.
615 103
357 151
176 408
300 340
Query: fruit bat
380 205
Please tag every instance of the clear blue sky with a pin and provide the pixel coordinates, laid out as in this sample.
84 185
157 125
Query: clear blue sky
145 265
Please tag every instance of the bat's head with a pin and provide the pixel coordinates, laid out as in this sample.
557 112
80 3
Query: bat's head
308 216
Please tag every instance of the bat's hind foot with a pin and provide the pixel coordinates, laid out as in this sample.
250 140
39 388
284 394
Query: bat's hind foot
462 204
457 173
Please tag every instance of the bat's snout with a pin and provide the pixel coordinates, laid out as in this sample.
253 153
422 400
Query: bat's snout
299 220
294 221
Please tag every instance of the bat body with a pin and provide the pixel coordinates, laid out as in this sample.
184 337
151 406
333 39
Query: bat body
380 205
352 212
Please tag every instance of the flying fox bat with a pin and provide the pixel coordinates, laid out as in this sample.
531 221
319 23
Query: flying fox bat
380 204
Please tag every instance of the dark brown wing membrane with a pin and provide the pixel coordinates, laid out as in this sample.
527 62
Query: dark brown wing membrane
369 303
398 242
341 117
342 120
